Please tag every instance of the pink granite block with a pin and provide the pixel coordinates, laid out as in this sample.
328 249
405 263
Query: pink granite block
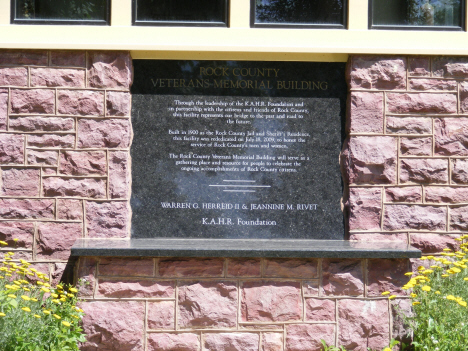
57 77
398 217
81 102
231 342
110 69
27 209
450 67
23 232
365 207
3 108
191 267
68 58
108 133
126 267
307 337
83 163
424 170
434 243
403 194
272 342
161 315
74 187
320 310
450 135
419 66
42 124
11 149
86 276
459 218
125 288
244 267
24 57
342 277
421 103
41 101
107 219
17 76
51 140
291 268
55 239
386 275
119 174
451 195
20 182
460 171
409 125
374 72
173 342
416 146
69 209
432 85
366 112
118 103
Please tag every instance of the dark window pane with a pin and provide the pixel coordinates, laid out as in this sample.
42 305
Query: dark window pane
299 11
181 10
80 10
416 12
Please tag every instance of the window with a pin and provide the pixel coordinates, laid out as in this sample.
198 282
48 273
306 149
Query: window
300 13
417 14
60 12
180 12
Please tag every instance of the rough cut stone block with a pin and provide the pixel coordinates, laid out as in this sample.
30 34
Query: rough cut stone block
365 207
403 194
266 301
32 101
397 217
231 342
3 108
450 67
432 84
409 125
17 76
291 268
86 276
104 133
81 187
56 239
370 160
460 171
434 243
191 267
363 324
68 58
59 270
373 72
118 103
342 277
161 315
463 97
421 102
416 146
26 209
278 327
42 124
272 342
244 267
49 171
392 237
119 174
386 275
401 331
42 158
208 304
11 149
135 288
424 171
23 57
20 182
450 136
107 219
81 102
57 77
110 69
419 66
113 325
366 112
446 194
51 140
22 231
127 267
306 337
82 163
320 310
69 209
173 342
459 218
310 287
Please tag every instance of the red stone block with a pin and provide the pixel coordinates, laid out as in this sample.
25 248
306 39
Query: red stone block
20 182
51 140
32 101
42 158
126 267
450 67
401 330
173 342
161 315
134 288
291 268
208 304
416 146
306 337
445 194
68 58
113 325
272 342
403 194
17 76
191 267
83 163
389 237
107 219
107 133
86 276
81 102
24 57
11 149
463 97
42 124
118 103
386 275
80 187
459 218
3 108
310 287
22 231
460 171
398 217
342 277
409 125
69 209
244 267
231 342
110 69
450 136
374 72
56 239
432 84
419 66
434 243
421 102
57 77
119 174
365 207
58 272
370 160
363 324
320 310
26 209
424 170
366 112
265 301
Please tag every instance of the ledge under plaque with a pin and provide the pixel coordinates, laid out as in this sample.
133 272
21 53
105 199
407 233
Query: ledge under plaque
165 247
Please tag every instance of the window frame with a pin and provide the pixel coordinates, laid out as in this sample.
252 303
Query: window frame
344 25
462 28
136 22
105 22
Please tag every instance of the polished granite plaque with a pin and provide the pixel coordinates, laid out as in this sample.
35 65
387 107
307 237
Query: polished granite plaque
237 149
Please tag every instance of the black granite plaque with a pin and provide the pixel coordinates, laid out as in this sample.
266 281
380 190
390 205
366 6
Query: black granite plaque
233 149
